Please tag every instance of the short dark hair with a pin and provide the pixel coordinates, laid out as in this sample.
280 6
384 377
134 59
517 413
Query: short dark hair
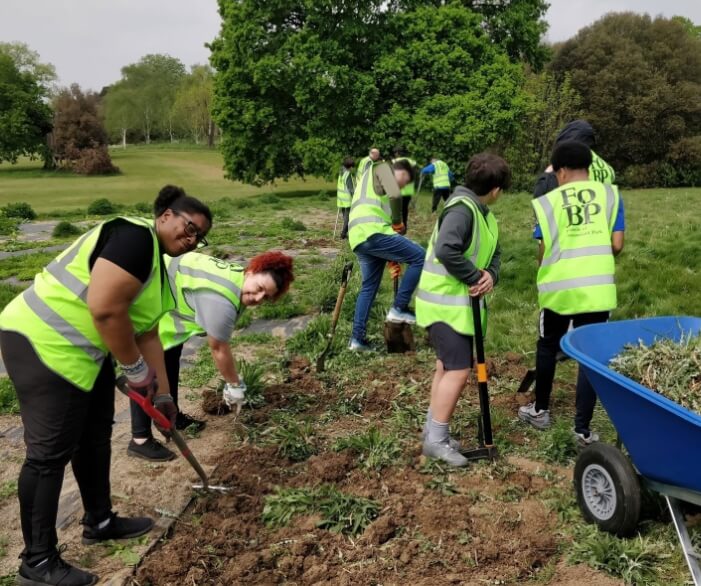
175 198
348 162
485 171
571 154
404 165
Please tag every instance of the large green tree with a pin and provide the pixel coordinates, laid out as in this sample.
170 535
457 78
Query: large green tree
193 104
25 118
299 83
640 83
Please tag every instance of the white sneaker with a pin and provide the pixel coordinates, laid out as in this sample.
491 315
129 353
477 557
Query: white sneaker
586 440
397 316
443 451
540 419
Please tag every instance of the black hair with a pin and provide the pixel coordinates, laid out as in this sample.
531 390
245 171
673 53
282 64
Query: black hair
485 171
348 162
175 198
579 130
404 165
571 154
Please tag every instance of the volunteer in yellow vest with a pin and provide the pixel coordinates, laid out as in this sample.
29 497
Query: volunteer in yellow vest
409 190
599 170
102 298
211 295
376 237
372 157
582 227
442 176
462 260
344 192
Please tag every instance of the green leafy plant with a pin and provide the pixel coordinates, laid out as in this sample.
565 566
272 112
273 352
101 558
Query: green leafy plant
8 490
144 208
8 226
125 550
252 373
21 210
65 229
375 449
559 444
340 512
294 439
443 485
269 198
8 397
294 225
102 207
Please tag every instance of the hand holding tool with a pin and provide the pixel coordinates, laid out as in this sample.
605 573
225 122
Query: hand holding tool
165 405
399 228
395 269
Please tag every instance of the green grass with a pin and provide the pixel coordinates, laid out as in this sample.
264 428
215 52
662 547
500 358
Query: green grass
8 398
144 170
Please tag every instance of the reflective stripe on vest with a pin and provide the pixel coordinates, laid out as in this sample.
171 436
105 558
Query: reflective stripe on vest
370 212
576 274
194 272
410 188
343 196
440 297
365 162
441 175
53 314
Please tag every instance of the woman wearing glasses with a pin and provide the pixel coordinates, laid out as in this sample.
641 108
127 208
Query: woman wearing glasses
102 297
211 295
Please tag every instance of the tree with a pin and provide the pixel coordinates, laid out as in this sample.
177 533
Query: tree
148 88
79 136
27 61
301 83
121 113
25 119
640 84
193 104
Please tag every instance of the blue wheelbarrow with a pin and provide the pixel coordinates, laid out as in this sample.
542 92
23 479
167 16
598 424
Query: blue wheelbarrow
662 438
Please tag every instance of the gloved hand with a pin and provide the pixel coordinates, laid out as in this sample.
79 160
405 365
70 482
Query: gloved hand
234 395
141 377
395 269
399 228
165 404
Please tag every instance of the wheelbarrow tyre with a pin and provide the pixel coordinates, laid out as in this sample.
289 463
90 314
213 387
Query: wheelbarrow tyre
608 489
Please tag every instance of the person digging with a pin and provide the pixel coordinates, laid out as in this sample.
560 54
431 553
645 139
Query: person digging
211 295
462 261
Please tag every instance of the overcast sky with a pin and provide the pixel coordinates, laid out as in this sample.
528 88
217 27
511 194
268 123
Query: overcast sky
89 41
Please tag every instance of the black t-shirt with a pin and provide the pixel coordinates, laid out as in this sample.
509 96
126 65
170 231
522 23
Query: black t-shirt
128 246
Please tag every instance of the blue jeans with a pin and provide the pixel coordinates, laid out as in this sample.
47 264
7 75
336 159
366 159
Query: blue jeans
372 256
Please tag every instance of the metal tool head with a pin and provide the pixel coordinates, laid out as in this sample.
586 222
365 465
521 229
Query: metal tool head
212 487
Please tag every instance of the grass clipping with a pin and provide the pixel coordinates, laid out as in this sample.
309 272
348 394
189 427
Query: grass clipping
670 368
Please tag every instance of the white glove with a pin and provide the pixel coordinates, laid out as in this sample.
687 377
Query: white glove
234 395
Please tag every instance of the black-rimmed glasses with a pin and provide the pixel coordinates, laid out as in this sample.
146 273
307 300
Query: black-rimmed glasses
191 229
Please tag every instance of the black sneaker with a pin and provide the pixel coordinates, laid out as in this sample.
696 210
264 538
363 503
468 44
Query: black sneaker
151 449
117 528
183 421
54 571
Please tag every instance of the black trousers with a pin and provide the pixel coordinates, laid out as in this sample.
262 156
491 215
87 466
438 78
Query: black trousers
440 193
553 327
62 424
345 213
406 200
140 422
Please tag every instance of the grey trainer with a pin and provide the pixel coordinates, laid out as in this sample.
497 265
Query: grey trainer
538 418
444 451
455 444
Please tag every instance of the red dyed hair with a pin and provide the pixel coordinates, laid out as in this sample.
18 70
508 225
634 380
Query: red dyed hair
279 266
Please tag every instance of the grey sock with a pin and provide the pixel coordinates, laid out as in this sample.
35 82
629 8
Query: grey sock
428 418
437 432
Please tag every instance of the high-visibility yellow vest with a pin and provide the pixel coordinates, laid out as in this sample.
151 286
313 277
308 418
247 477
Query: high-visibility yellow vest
441 175
370 212
409 189
343 196
363 166
440 297
196 272
577 271
600 170
53 313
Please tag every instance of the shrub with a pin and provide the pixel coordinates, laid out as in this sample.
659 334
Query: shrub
323 195
64 229
143 207
8 397
102 207
8 226
290 224
269 198
20 210
93 161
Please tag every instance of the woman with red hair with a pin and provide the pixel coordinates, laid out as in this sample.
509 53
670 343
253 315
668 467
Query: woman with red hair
211 295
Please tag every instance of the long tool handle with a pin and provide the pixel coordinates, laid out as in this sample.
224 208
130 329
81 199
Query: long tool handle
338 211
395 285
341 294
162 421
482 373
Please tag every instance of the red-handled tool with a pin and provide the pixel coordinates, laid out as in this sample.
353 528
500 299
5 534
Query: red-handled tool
162 421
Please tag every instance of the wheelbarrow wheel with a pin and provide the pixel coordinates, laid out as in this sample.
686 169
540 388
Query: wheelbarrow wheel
608 490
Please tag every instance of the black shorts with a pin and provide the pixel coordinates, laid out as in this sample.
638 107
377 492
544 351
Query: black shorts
454 350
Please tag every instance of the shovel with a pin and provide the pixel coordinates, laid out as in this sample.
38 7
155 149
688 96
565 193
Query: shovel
529 377
412 204
336 312
486 449
178 439
399 337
